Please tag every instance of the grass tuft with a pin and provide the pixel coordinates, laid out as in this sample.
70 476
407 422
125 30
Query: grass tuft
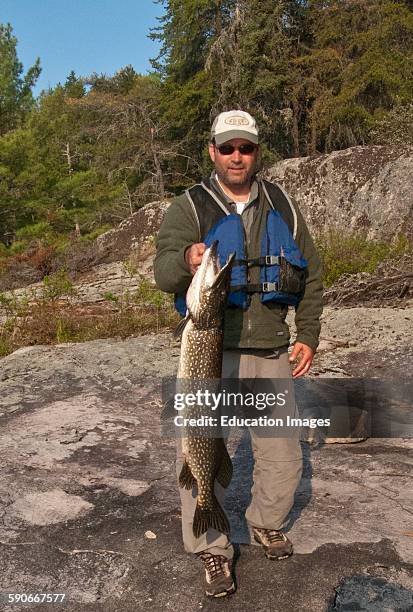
351 253
52 316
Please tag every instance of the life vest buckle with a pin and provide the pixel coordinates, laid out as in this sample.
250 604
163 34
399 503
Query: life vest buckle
271 260
268 287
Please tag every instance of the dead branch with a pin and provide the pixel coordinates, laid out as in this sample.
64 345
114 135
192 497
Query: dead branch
391 284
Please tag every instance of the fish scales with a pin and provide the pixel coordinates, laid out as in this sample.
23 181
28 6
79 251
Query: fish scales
205 457
201 351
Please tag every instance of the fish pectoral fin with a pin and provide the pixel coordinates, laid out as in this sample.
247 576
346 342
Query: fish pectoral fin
186 479
211 518
180 327
224 474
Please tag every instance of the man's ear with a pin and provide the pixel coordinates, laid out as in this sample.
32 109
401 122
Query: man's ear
212 151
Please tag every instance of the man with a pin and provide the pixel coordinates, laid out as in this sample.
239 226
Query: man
256 337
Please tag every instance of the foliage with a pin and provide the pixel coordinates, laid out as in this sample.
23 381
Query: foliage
395 128
318 75
56 286
15 89
358 68
50 316
352 252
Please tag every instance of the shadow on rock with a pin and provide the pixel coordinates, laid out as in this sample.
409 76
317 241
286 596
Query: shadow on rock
238 495
370 594
304 490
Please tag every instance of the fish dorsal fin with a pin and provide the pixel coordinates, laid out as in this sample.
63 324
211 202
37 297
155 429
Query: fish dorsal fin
181 326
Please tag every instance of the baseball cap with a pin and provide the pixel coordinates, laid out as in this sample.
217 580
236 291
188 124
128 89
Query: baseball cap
234 124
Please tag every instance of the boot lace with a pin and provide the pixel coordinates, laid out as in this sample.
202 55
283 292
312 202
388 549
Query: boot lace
271 535
274 536
213 564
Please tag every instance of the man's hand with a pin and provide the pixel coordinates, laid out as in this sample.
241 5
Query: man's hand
193 256
305 356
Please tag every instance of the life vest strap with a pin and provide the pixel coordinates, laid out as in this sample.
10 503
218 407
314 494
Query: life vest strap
266 260
256 288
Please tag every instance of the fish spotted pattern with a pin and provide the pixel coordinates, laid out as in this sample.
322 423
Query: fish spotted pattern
206 458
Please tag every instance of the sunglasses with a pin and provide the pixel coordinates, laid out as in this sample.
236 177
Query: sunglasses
245 149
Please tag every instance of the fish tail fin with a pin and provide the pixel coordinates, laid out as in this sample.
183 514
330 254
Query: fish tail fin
186 479
214 518
224 474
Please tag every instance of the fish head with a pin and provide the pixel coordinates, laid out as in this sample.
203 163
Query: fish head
207 293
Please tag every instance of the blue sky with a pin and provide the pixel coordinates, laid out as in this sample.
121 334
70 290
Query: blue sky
82 35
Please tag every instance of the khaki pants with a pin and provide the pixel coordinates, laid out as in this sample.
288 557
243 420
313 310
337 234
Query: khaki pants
277 462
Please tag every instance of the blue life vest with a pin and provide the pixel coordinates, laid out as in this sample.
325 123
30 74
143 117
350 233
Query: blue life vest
278 251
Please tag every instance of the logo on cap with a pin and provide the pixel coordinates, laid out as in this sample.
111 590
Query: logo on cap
236 121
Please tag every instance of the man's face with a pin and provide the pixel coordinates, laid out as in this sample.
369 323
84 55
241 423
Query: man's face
237 168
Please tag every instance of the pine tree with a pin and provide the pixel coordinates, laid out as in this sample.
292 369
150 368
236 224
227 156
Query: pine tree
74 86
254 59
359 67
187 33
16 97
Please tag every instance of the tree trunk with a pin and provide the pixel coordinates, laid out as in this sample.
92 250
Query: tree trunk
77 228
295 130
159 174
218 32
67 154
312 145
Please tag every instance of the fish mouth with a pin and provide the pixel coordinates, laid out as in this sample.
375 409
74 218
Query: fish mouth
213 255
209 269
214 261
206 293
213 249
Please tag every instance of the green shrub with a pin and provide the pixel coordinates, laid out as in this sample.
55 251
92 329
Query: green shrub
42 318
395 127
5 348
351 253
97 232
57 285
111 297
17 247
38 231
63 331
147 293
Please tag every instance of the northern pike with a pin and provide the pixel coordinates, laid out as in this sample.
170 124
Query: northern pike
205 458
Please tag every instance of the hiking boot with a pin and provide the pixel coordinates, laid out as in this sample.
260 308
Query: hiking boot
275 543
218 575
